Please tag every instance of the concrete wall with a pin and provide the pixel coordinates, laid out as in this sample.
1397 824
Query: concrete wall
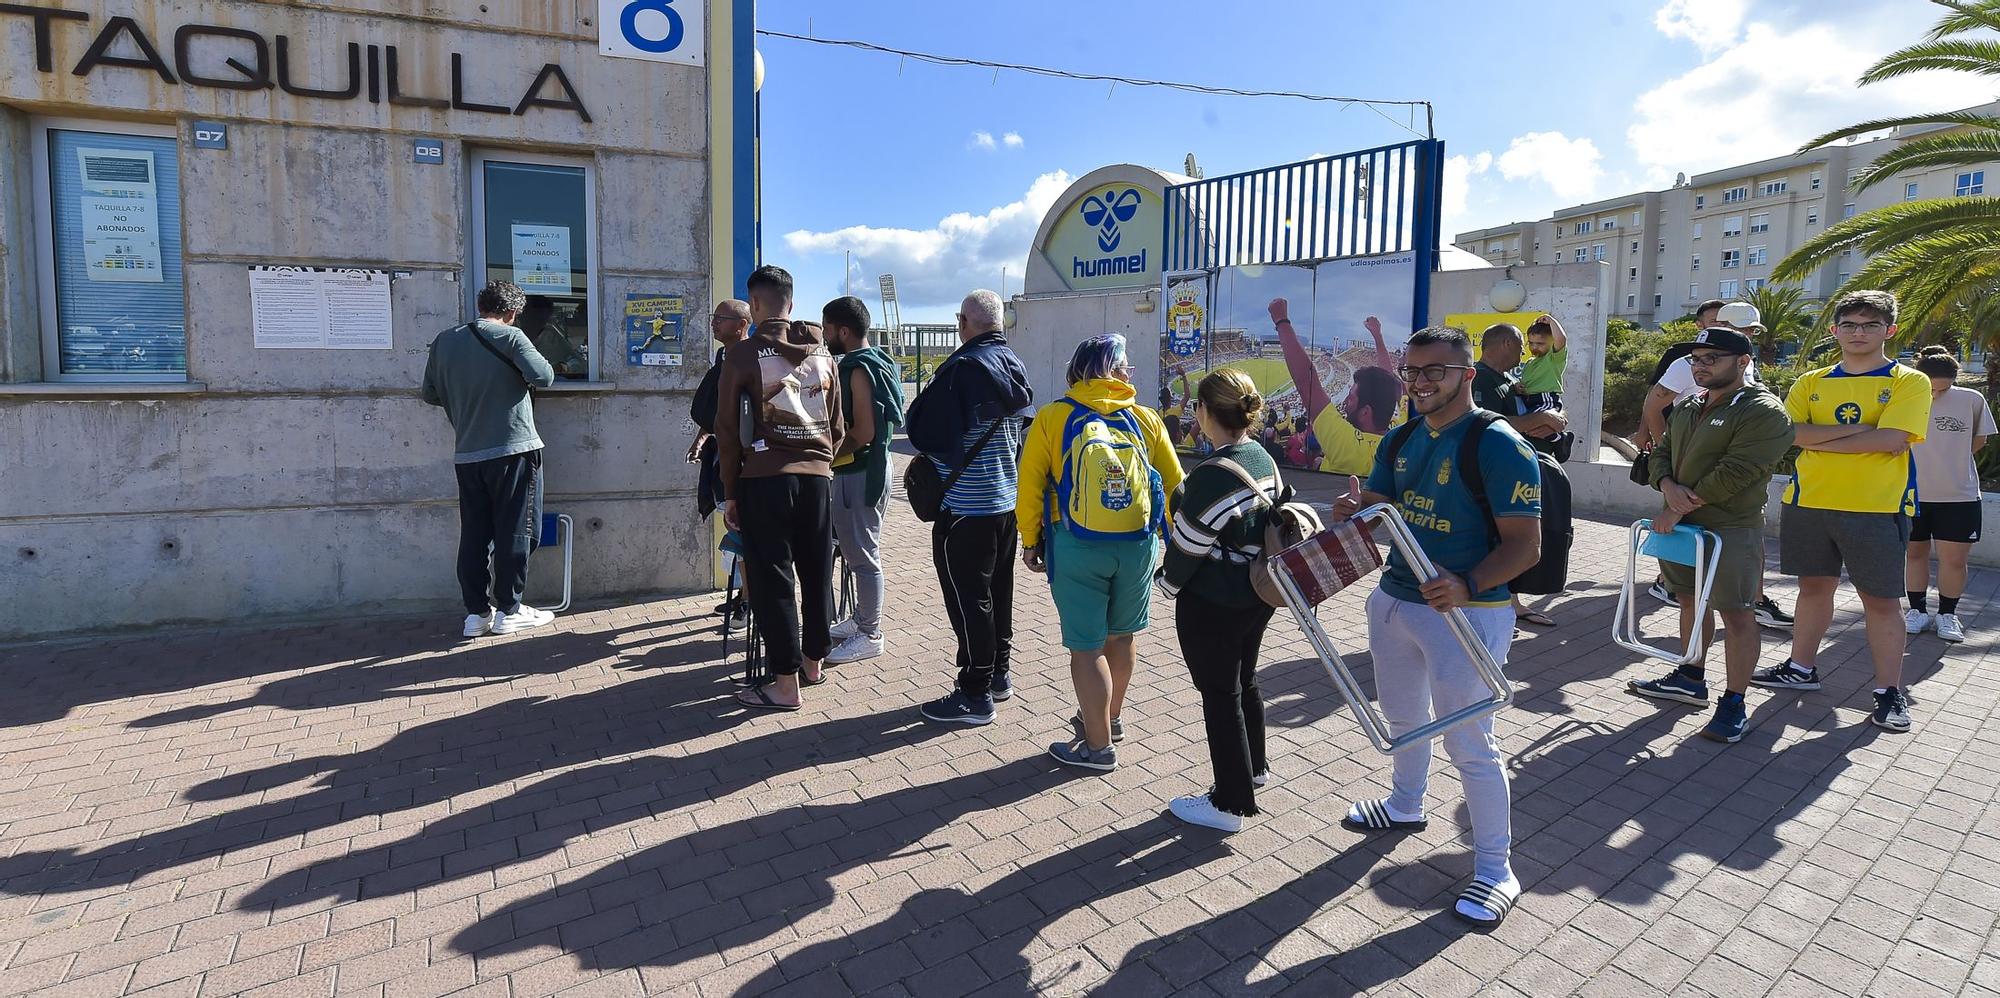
309 482
1048 328
1573 293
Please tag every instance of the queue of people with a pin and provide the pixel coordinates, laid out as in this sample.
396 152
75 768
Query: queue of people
1090 491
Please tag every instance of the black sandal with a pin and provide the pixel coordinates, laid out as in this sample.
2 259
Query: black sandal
1487 895
764 701
1375 817
821 681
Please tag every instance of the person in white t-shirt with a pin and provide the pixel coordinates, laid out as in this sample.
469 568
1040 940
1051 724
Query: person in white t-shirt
1948 503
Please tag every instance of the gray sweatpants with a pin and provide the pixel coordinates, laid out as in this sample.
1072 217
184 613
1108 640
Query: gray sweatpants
858 527
1419 665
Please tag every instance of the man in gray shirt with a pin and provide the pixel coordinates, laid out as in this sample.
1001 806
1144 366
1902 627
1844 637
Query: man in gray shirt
481 373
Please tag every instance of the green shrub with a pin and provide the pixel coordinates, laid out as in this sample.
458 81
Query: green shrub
1630 354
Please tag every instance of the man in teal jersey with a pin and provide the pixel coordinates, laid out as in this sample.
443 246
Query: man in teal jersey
1419 664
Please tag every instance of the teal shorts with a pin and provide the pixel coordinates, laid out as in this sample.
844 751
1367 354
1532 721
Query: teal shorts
1102 589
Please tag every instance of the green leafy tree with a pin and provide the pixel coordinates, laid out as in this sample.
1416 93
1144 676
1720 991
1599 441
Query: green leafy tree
1931 253
1788 317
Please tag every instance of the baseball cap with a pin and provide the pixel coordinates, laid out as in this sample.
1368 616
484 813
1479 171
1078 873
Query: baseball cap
1738 314
1718 338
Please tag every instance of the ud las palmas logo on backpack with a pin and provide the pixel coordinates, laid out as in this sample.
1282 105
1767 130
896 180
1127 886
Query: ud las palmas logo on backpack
1109 489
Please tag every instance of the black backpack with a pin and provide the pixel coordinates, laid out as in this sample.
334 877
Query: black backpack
1551 573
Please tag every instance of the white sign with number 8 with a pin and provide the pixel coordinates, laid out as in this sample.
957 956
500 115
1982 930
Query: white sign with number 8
654 30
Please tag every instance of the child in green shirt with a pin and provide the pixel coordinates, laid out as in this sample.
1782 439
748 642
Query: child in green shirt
1541 380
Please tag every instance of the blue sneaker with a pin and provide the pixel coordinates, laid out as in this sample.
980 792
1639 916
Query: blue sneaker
1786 676
960 708
1079 753
1729 721
1003 687
1677 686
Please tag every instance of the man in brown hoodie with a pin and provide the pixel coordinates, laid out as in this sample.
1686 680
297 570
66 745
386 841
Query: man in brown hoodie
777 425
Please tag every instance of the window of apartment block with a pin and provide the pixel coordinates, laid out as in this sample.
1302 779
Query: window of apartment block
1632 274
1852 176
1582 227
1657 300
1694 262
1663 246
1776 187
1732 226
1731 259
108 205
1725 289
1700 201
1841 279
1695 233
1494 247
1970 184
1517 246
1760 222
1816 182
1754 284
1758 257
533 224
1847 210
1812 217
1694 292
1582 255
1635 246
1735 194
1635 219
1631 301
1607 224
1910 191
1597 252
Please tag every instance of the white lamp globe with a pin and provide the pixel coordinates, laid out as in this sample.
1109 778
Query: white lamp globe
1507 296
757 71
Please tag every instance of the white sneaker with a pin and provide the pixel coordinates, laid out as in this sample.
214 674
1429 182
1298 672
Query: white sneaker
523 618
1950 628
1914 621
1261 778
857 648
477 624
844 630
1199 810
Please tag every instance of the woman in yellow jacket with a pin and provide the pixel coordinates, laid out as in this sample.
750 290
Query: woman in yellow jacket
1080 466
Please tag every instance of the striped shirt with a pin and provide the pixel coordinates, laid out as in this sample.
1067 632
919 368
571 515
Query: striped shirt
990 481
1218 527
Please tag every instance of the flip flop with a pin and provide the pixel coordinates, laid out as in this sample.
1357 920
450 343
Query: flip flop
1535 618
1488 896
763 701
821 681
1375 817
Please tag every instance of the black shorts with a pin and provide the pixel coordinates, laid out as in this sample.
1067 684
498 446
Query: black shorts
1946 521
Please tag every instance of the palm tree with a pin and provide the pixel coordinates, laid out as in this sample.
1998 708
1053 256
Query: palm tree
1788 317
1930 253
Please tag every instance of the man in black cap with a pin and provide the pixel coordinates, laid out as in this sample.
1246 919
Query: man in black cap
1712 464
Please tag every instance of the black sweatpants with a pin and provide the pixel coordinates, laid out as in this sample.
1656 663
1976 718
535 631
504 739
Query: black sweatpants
788 554
499 519
974 556
1220 644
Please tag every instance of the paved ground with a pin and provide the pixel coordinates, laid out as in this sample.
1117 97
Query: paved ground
372 808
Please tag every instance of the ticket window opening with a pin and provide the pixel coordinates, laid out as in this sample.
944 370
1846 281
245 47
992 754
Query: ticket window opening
535 229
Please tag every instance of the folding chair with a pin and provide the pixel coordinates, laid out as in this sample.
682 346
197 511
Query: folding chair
756 670
1312 571
559 529
1687 545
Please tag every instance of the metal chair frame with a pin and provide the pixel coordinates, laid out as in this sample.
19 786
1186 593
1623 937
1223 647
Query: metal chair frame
1625 631
559 529
1373 724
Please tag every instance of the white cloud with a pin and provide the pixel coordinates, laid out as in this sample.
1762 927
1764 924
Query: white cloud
1710 24
1458 174
936 266
1570 167
1013 140
1766 90
983 140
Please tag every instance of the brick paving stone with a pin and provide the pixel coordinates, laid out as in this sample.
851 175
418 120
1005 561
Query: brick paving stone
355 808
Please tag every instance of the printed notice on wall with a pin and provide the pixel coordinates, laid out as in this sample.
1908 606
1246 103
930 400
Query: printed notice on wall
541 258
121 216
319 308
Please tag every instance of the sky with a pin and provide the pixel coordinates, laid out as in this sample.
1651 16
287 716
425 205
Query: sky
942 175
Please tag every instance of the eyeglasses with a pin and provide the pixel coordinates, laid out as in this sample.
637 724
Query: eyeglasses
1432 373
1861 327
1708 359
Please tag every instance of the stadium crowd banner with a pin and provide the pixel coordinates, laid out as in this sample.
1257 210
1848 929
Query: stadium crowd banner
1315 275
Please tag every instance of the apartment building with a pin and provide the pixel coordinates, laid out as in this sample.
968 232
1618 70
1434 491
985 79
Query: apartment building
1720 234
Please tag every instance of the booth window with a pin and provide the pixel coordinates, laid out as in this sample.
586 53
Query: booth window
533 222
114 302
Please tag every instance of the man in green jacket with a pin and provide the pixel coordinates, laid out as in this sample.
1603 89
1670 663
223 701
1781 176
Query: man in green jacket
871 397
1713 467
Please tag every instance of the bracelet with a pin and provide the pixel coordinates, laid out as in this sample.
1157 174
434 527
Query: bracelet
1282 322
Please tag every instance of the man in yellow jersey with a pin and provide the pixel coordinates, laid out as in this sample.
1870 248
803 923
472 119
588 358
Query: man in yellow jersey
1347 433
1851 500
